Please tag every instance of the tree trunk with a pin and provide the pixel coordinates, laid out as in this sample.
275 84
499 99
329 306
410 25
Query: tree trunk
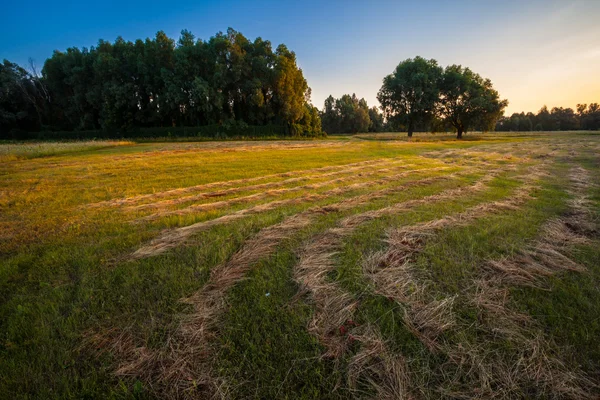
459 133
410 129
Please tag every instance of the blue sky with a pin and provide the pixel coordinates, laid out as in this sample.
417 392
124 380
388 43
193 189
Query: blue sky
535 52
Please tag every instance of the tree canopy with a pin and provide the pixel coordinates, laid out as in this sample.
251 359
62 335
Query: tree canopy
586 117
161 82
467 100
347 114
22 98
231 82
409 95
420 92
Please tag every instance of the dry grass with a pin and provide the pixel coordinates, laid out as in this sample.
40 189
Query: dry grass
479 371
242 333
364 170
276 192
546 255
175 237
376 366
334 308
188 354
189 351
230 183
392 274
169 371
531 362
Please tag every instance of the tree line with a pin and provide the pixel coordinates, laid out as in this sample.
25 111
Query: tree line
348 114
226 80
229 83
586 117
420 96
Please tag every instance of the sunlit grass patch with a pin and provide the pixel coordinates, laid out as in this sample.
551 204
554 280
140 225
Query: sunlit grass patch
28 150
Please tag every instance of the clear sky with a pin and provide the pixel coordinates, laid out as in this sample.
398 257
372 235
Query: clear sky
535 52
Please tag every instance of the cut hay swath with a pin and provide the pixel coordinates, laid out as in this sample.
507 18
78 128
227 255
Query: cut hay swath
545 256
360 170
184 369
332 305
277 192
480 372
231 183
175 237
190 350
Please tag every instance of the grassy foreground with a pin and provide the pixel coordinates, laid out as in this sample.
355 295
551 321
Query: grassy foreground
353 267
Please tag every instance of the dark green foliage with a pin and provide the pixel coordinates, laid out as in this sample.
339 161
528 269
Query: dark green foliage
469 101
421 95
123 88
22 101
228 130
589 116
559 119
347 114
377 122
409 95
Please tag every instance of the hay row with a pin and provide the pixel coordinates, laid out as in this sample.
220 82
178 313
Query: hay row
547 255
537 365
196 208
227 184
379 368
174 237
391 271
332 320
427 318
189 351
333 306
184 369
364 171
479 371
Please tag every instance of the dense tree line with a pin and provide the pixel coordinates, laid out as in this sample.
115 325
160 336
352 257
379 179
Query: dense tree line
160 83
348 114
421 93
586 117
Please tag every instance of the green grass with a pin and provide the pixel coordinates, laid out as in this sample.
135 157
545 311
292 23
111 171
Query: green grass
28 150
65 276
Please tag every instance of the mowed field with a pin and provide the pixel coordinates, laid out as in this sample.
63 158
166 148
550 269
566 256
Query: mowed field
352 267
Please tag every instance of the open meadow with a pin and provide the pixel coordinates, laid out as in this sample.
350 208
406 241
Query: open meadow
367 266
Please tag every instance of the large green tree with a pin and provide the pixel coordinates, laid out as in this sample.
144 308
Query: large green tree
467 100
409 95
290 89
348 114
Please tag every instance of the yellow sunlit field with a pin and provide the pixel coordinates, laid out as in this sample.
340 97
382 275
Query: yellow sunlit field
366 266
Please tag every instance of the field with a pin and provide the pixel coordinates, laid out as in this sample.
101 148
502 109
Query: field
351 267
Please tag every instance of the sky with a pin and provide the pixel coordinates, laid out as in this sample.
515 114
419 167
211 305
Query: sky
536 53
